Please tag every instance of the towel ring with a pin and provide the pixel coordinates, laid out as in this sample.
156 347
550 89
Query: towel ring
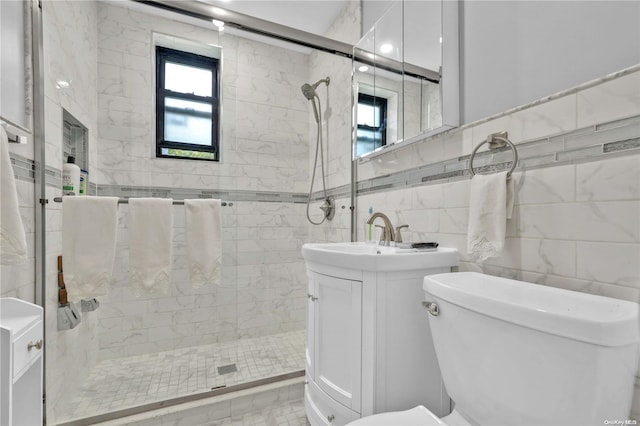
495 141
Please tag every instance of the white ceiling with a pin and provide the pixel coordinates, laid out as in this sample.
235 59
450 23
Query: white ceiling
314 16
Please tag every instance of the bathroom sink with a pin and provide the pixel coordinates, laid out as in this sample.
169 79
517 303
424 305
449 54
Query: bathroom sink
372 257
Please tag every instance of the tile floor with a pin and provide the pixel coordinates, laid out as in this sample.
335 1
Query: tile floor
290 413
122 383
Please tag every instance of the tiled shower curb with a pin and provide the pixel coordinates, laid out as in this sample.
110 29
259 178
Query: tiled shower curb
206 407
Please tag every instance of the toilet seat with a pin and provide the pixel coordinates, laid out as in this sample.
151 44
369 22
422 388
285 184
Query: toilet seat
418 416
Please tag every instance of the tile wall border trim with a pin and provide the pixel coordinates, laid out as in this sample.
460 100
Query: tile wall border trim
127 191
24 170
592 143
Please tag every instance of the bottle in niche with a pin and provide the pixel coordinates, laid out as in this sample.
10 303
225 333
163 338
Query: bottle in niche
84 181
70 177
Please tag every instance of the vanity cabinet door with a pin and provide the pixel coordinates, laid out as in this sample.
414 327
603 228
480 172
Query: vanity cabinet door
310 344
337 338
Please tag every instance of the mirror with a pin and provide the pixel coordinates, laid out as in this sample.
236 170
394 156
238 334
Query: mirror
405 76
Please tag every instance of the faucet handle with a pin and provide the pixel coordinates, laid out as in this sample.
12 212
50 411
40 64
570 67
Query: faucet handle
398 234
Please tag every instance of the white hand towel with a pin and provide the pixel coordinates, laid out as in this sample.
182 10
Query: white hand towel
89 227
488 213
204 241
13 242
511 196
150 235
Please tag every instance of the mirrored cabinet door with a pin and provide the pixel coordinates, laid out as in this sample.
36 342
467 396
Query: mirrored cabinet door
405 74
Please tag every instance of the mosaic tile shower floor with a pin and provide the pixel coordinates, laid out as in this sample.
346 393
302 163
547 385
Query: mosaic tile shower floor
122 383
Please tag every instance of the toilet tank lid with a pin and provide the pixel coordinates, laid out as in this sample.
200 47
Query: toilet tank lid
580 316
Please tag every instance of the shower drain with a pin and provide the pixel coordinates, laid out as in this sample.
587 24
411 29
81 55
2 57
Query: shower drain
226 369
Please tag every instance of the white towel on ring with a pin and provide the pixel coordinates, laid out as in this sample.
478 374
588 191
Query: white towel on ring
204 240
150 236
490 205
89 227
13 241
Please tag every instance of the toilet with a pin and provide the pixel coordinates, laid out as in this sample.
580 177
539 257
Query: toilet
521 354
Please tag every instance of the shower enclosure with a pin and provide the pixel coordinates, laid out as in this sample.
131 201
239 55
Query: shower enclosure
136 354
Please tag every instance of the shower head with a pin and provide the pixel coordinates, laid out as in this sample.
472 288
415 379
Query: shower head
309 90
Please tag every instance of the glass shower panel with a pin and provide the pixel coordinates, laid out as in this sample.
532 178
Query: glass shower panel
140 353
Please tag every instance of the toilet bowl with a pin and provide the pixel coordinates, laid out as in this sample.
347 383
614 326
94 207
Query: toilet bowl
516 353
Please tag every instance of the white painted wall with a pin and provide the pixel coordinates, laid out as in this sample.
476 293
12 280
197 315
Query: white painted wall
513 52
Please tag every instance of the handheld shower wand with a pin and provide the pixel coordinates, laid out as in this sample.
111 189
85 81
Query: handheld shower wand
309 92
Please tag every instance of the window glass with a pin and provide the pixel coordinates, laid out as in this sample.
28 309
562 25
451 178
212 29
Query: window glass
186 79
187 105
187 121
368 115
372 116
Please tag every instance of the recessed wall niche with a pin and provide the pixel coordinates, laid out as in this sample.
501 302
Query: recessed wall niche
75 141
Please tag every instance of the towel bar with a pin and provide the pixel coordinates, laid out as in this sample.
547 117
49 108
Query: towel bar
495 141
15 133
175 202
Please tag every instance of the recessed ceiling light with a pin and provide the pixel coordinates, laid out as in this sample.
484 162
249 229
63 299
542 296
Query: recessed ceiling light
386 48
363 68
218 23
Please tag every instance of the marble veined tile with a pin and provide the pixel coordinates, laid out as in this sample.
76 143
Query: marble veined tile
610 100
613 179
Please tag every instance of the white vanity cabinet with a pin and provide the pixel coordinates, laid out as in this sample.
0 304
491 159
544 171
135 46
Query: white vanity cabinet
21 346
369 347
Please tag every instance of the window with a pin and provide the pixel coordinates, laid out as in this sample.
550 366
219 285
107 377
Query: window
372 119
187 105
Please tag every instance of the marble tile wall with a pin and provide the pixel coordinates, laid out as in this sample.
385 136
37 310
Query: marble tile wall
19 280
70 54
336 101
336 125
576 223
264 149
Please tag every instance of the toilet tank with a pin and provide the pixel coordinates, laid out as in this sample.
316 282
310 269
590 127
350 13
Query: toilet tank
516 353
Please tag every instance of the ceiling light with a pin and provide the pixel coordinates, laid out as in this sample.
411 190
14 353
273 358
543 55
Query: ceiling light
386 48
363 68
218 23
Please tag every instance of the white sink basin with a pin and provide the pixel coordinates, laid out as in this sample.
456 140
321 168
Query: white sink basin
371 257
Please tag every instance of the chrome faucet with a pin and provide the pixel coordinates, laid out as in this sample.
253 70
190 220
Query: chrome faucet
388 235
